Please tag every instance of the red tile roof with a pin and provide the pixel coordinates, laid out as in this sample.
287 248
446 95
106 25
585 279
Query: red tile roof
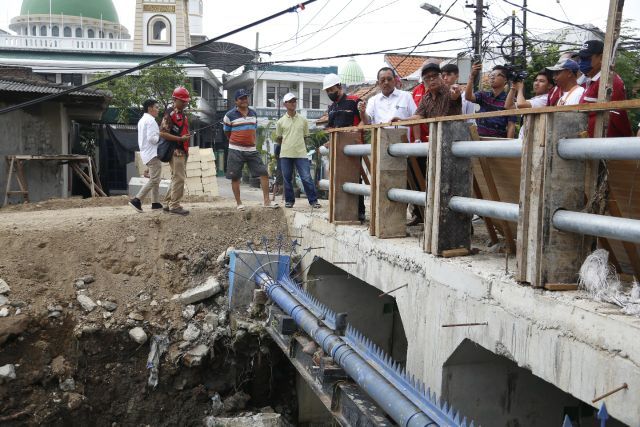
405 65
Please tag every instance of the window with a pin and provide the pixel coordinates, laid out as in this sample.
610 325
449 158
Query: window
50 77
271 95
159 30
101 34
91 34
196 83
79 33
43 30
67 31
282 91
72 79
55 31
311 98
110 35
34 31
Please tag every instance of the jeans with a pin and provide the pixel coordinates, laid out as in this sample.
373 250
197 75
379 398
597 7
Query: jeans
303 166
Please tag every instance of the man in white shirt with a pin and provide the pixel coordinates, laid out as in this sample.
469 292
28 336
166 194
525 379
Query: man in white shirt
565 74
390 103
148 136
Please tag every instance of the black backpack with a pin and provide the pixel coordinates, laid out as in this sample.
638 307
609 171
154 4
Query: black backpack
165 147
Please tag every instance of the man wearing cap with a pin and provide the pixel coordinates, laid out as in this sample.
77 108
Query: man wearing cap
291 131
175 127
591 65
240 125
344 111
565 75
492 100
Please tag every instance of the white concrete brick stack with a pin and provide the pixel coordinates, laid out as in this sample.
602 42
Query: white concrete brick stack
201 172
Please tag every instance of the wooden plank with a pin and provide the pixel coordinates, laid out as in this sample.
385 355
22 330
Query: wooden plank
421 180
345 169
431 178
564 185
488 222
333 138
391 172
630 248
627 104
450 230
9 160
374 183
561 286
451 253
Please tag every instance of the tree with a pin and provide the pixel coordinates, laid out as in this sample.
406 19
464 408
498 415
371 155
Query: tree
156 82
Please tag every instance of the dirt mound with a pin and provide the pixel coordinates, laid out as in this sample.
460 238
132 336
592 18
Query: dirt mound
82 279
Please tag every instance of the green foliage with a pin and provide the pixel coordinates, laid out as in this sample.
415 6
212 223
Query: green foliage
541 56
157 82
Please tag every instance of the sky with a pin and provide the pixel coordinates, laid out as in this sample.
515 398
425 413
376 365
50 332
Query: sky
337 27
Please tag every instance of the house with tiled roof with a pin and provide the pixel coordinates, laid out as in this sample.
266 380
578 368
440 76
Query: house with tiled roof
406 65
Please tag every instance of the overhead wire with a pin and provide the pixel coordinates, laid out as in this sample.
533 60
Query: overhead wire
297 33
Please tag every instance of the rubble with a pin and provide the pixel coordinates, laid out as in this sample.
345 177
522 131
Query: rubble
87 303
3 300
68 384
195 356
109 305
188 312
7 373
4 312
191 333
257 420
4 288
206 290
12 327
136 316
138 335
131 239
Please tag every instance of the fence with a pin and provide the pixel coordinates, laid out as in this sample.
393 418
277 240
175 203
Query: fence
542 193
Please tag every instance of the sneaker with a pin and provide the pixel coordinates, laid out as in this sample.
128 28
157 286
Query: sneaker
288 205
179 211
155 206
136 204
316 205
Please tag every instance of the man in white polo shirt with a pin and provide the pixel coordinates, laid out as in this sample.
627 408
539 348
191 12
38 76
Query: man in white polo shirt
389 103
148 137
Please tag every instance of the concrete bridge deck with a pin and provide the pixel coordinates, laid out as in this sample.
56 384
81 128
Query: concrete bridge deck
541 354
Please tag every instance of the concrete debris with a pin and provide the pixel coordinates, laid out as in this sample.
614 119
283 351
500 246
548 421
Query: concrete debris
206 290
87 279
87 303
59 367
211 319
7 373
236 402
196 355
12 327
68 385
222 318
258 420
191 333
74 401
131 239
216 405
4 288
4 312
223 258
52 308
260 296
80 284
3 300
136 316
188 312
109 305
138 335
55 314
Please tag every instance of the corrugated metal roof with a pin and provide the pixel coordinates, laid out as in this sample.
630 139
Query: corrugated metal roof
50 55
32 86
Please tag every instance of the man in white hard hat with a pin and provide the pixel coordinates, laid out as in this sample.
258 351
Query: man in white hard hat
343 112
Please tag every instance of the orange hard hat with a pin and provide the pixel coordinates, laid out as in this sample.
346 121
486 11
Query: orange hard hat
181 93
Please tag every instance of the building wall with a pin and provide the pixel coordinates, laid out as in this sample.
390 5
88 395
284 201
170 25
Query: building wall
41 129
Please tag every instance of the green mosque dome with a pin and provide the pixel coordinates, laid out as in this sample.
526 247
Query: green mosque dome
351 73
86 8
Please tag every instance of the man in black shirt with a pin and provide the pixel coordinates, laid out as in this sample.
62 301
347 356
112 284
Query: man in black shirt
343 112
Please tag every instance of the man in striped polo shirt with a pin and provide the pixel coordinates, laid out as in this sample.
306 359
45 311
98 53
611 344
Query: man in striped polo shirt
240 125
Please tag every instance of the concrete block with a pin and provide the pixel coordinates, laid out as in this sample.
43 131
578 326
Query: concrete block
243 265
209 180
140 166
193 169
86 303
7 372
136 183
195 356
206 290
138 335
207 154
208 173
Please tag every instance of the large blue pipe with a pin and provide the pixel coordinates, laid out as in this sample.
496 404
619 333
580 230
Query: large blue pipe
394 403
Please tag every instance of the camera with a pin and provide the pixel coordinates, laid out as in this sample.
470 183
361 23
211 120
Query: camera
514 73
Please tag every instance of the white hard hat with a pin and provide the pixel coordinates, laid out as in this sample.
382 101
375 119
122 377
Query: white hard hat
330 80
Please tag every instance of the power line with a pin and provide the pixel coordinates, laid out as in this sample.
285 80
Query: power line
295 36
153 62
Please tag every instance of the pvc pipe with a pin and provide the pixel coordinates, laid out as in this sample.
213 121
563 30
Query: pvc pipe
407 196
392 401
323 184
357 150
359 189
624 229
502 148
600 148
488 208
409 150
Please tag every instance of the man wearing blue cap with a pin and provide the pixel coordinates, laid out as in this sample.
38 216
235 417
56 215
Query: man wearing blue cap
240 125
565 74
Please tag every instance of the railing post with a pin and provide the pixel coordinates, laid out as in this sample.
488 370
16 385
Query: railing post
389 172
343 207
453 177
431 179
549 183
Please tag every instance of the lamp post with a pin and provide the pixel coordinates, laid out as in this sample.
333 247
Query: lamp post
436 11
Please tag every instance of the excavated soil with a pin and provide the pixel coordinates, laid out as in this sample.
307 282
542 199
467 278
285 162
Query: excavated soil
76 365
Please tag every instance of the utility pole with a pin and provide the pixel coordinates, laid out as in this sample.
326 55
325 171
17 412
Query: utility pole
477 43
524 33
255 72
513 37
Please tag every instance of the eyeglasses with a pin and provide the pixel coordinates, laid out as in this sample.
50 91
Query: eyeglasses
431 77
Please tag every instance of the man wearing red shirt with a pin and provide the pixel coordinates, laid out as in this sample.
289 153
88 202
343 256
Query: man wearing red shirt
590 65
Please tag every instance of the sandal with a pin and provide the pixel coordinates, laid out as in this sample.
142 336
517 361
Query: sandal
240 207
